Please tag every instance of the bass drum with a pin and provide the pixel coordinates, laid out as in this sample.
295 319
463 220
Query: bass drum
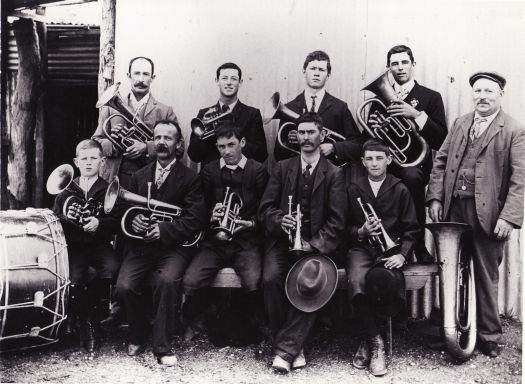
34 278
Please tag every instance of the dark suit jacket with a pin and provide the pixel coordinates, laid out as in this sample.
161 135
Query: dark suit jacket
249 120
153 111
182 188
108 224
328 207
336 117
255 178
500 170
393 205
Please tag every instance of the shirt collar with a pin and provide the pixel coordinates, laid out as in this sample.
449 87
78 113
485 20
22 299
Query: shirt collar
232 105
319 96
169 166
137 104
314 164
404 90
489 118
241 164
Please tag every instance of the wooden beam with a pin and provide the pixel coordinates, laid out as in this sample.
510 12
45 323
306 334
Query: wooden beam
38 173
106 74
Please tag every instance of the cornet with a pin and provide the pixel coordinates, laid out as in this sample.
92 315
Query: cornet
60 180
155 210
137 129
232 205
386 244
205 128
295 240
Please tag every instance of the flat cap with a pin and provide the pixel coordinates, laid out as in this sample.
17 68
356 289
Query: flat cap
496 77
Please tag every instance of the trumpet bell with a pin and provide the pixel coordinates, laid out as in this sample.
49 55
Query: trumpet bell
111 195
61 179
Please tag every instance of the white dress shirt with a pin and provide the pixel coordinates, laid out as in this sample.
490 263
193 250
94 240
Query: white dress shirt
241 164
308 98
375 185
163 171
403 91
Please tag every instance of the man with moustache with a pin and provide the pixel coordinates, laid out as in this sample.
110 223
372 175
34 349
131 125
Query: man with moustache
478 179
334 112
141 73
160 258
425 107
229 80
319 187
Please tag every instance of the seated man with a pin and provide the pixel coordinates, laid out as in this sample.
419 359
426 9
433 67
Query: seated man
372 237
245 180
88 234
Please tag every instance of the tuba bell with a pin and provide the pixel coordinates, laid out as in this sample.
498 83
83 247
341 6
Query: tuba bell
155 210
205 128
123 137
388 246
399 133
60 180
457 289
232 205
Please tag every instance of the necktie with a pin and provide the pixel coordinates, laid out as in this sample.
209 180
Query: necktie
307 172
476 128
225 108
313 104
160 177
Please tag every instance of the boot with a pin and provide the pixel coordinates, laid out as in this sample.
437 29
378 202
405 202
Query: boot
88 335
362 356
377 356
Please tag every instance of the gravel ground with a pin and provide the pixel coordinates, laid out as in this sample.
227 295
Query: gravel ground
329 357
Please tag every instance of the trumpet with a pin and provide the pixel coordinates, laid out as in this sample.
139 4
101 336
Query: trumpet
155 210
295 239
60 180
232 205
205 128
386 244
400 133
125 136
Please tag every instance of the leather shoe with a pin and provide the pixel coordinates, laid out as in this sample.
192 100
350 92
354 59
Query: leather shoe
88 335
280 365
361 358
490 348
424 257
167 360
377 356
135 349
299 361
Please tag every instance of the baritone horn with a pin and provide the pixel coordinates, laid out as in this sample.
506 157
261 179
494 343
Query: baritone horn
294 236
155 210
388 246
457 288
205 128
231 206
60 180
122 138
400 133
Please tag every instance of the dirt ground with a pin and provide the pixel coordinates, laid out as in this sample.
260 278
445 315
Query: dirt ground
329 357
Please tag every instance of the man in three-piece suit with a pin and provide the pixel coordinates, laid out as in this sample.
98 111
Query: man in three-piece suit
334 112
478 179
229 80
147 108
160 255
319 187
425 107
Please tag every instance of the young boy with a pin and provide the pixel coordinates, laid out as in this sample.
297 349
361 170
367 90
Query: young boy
88 241
376 285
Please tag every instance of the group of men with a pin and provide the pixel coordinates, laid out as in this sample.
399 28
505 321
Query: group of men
476 178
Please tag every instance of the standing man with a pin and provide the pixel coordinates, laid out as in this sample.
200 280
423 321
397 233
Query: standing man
160 257
229 80
478 179
334 112
140 74
319 187
425 107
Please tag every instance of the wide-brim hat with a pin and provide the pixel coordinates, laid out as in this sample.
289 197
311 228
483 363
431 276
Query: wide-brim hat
385 289
311 282
494 76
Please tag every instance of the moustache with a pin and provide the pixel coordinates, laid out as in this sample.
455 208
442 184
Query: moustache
306 142
161 148
140 85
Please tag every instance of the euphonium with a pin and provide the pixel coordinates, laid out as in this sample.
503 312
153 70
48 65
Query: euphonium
457 289
399 133
205 128
295 240
232 205
155 210
137 130
386 244
61 179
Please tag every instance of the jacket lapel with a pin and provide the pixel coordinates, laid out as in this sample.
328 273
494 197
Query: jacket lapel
292 174
299 103
150 105
325 103
320 174
467 123
493 129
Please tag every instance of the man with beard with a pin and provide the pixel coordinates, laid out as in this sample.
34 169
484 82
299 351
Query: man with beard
229 80
319 187
160 258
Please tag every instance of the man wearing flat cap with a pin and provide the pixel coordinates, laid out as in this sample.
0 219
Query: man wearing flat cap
478 179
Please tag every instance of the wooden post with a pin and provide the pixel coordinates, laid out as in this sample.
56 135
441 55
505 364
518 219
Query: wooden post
106 74
3 106
25 101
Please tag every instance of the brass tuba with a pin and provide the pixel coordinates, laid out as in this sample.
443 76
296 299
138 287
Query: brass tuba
275 109
231 207
384 241
60 180
457 289
399 133
205 128
156 210
137 129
